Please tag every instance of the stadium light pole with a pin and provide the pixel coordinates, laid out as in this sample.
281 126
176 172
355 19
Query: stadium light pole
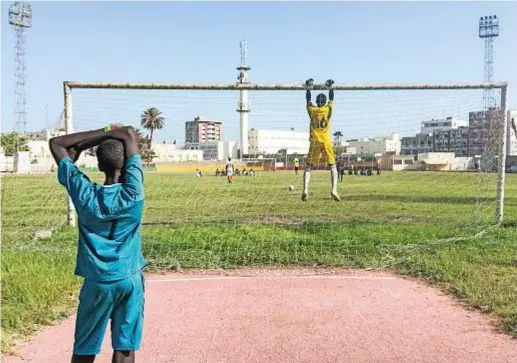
20 18
488 30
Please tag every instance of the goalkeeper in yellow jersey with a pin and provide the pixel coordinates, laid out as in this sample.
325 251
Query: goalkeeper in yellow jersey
320 149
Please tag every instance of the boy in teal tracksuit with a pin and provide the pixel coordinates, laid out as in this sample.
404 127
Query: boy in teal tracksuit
109 254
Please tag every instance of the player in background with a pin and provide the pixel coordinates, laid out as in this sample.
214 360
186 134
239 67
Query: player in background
296 166
341 169
320 149
109 256
229 170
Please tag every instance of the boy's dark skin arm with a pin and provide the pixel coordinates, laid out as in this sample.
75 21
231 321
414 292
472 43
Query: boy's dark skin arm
71 146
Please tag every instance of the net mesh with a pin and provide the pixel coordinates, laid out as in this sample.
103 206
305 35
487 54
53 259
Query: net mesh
193 221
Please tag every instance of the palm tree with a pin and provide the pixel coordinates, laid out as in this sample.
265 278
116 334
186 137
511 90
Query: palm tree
143 144
151 120
337 137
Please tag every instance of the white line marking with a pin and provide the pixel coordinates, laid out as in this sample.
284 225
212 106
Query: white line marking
274 277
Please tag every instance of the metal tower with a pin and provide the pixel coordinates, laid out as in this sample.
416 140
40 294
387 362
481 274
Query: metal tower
20 18
488 30
243 104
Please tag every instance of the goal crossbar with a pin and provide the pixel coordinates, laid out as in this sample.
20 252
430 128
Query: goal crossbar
281 86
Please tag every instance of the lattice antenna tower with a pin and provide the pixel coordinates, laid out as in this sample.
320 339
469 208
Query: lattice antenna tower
20 18
243 107
488 30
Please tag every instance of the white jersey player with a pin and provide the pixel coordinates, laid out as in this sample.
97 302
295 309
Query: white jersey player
229 170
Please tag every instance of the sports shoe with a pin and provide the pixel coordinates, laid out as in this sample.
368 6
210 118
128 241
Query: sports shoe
304 197
335 196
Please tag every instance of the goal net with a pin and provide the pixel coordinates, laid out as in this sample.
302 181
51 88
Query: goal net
417 163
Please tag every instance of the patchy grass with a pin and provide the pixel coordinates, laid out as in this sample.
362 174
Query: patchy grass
395 220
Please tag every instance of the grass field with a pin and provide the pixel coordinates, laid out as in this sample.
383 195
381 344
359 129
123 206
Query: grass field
396 220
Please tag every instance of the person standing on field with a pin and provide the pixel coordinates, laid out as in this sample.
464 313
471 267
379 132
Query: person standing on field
296 166
320 144
109 253
229 170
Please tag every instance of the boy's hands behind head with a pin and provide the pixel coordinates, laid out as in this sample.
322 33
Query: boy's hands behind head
115 126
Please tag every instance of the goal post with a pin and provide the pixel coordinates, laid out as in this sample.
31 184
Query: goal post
69 128
499 214
402 97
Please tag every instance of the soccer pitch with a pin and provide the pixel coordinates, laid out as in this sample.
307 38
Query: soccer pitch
396 220
450 202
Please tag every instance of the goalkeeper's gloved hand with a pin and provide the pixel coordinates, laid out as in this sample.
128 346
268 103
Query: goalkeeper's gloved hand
309 82
329 83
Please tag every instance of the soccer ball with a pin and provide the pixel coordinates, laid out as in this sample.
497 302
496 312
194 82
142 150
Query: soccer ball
291 187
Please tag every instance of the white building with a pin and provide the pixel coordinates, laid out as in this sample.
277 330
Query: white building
390 144
511 138
41 159
215 150
448 123
201 130
271 141
344 147
171 153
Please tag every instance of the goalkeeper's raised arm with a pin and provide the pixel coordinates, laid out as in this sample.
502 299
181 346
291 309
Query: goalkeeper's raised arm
329 84
308 84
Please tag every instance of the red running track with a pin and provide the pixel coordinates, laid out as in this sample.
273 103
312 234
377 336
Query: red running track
295 316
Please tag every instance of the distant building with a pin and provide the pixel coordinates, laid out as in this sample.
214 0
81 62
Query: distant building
344 148
511 138
439 161
371 146
271 141
200 130
215 150
438 135
429 127
420 143
452 140
44 135
171 153
38 136
484 131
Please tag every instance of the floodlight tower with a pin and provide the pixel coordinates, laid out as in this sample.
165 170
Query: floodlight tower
20 18
243 104
488 30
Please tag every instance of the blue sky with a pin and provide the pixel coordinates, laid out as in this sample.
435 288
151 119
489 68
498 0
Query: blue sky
287 42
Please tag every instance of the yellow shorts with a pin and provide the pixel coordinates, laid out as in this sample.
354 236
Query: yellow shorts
321 152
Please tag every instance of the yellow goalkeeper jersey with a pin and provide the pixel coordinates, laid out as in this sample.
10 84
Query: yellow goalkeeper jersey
320 122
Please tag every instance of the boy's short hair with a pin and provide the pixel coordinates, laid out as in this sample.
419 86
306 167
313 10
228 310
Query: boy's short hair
110 155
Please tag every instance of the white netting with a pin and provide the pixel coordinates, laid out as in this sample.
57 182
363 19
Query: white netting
193 221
